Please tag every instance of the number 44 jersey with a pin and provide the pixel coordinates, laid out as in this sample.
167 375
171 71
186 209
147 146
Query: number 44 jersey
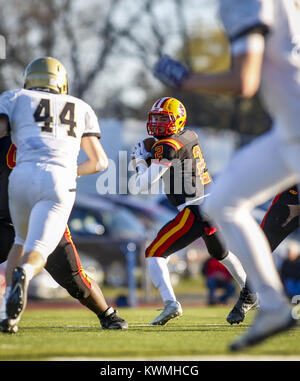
47 127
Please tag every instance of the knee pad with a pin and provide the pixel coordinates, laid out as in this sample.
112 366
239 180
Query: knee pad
219 254
215 247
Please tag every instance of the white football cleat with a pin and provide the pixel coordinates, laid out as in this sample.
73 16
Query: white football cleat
266 324
172 310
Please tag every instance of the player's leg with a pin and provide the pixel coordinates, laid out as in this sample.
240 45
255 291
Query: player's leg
252 177
174 236
185 228
47 220
20 208
281 219
217 250
65 267
7 234
247 300
49 207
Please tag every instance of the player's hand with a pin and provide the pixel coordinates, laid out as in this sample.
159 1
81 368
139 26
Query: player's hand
170 72
139 152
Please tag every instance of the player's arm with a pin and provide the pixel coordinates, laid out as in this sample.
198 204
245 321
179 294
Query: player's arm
96 157
146 176
243 77
97 160
4 125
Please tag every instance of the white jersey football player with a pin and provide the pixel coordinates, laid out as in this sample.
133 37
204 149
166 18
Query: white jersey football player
264 36
48 127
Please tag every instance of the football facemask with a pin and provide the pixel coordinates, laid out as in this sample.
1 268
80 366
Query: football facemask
166 117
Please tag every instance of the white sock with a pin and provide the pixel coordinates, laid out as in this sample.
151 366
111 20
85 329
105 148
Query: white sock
3 305
234 266
29 271
159 273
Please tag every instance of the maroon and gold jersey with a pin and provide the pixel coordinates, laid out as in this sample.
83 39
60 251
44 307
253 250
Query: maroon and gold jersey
187 175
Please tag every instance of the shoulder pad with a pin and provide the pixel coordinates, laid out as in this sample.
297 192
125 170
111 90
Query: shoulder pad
171 142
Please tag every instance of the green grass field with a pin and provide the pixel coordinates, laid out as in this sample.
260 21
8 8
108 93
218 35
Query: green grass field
75 334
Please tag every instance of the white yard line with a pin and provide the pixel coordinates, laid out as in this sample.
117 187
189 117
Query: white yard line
186 358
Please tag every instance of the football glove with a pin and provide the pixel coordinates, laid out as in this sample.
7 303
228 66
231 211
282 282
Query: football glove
170 72
139 152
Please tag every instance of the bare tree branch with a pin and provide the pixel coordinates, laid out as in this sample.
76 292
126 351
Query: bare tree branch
155 29
74 46
183 30
106 34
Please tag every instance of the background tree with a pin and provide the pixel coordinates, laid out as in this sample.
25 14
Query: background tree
109 48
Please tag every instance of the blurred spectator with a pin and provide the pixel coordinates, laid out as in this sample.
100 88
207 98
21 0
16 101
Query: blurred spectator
290 271
217 278
121 301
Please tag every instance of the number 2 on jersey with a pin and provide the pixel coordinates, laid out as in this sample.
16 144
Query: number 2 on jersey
201 165
42 114
159 152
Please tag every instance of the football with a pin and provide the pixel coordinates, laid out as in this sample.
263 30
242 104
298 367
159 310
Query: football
148 143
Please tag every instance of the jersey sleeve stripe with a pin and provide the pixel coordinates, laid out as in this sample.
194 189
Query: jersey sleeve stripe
172 142
257 28
91 134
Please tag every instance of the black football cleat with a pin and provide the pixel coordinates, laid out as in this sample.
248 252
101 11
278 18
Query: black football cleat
8 326
109 319
17 298
246 302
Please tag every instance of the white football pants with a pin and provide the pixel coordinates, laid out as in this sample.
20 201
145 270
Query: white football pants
255 174
40 201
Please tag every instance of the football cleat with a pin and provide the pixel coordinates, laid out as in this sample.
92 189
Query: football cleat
17 298
109 319
246 302
266 324
9 325
172 310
